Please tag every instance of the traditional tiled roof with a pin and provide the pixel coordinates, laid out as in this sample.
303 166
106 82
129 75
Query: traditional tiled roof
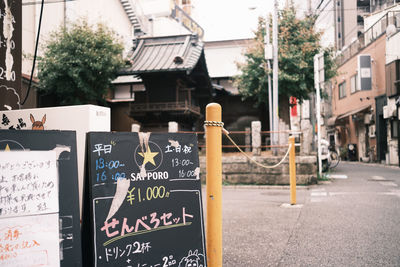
165 54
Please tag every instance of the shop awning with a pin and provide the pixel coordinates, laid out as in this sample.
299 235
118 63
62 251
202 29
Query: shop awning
331 121
352 112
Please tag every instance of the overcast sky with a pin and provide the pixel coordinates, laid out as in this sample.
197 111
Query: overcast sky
231 19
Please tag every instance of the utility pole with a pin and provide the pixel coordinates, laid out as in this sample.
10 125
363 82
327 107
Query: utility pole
268 51
275 76
318 78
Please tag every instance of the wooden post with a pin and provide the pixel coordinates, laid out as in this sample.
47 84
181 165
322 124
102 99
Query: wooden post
214 184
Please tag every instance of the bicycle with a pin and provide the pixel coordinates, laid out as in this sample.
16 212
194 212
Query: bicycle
330 158
333 158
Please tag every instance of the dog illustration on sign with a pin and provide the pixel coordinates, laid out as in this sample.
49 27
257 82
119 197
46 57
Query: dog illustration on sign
38 125
193 259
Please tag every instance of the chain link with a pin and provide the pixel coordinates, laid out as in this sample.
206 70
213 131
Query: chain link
214 123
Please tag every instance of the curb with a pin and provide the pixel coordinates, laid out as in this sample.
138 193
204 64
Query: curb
301 187
370 164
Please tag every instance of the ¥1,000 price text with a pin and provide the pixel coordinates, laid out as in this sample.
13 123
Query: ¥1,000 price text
150 193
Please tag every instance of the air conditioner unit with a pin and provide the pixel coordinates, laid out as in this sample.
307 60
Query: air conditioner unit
367 118
385 112
389 111
392 110
371 131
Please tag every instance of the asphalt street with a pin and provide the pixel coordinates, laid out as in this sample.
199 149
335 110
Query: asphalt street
342 222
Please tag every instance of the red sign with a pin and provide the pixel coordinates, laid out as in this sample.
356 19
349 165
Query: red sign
293 106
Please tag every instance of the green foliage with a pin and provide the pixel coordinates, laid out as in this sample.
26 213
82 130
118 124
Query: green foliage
298 43
79 63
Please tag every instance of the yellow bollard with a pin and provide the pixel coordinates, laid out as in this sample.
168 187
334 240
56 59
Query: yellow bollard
214 185
292 171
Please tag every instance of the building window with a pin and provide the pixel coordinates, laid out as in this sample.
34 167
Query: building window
124 92
342 90
354 84
394 128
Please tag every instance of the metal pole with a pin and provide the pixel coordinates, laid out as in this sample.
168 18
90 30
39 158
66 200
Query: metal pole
292 170
275 75
398 127
214 186
318 108
270 109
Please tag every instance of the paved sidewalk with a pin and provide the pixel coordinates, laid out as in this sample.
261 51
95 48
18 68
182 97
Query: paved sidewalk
343 222
256 227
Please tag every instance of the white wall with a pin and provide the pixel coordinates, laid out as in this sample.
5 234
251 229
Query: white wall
350 21
392 48
156 8
109 12
164 26
221 57
326 23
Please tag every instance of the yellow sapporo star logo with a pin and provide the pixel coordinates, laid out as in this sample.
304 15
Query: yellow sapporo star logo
148 156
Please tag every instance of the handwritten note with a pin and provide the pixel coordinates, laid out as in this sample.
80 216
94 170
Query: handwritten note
28 183
29 241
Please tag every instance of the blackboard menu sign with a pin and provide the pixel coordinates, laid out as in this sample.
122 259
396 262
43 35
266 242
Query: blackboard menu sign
144 200
63 145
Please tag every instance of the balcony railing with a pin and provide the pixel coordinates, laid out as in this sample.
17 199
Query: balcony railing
181 16
370 35
184 107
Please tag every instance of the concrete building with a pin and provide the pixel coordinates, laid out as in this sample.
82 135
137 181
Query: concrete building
390 112
342 21
359 91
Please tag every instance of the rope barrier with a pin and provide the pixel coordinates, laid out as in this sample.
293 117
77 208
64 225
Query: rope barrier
252 160
221 124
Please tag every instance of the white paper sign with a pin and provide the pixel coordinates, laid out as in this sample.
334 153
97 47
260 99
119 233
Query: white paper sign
28 183
30 241
365 73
